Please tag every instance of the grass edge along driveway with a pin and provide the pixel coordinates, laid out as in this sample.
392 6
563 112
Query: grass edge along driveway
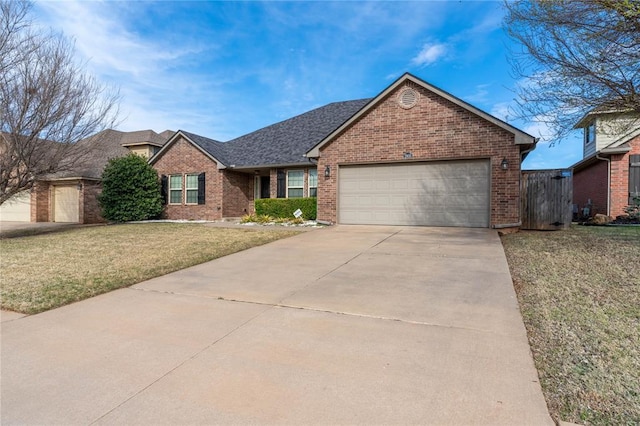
579 294
47 271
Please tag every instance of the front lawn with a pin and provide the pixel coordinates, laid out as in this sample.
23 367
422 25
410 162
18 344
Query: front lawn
579 293
47 271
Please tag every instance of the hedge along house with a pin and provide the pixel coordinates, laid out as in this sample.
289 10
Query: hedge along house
413 155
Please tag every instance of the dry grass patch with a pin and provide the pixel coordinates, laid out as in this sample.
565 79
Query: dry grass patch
579 292
47 271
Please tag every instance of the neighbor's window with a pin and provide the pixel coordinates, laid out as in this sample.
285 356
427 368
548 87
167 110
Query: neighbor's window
295 183
590 133
192 189
313 182
175 189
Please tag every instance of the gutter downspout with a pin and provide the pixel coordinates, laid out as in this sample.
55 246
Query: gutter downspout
608 160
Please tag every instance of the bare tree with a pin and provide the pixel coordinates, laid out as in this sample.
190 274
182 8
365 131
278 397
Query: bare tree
48 102
574 56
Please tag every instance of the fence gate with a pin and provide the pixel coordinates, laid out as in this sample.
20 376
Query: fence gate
546 199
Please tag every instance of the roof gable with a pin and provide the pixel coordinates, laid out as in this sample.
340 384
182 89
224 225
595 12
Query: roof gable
213 149
521 138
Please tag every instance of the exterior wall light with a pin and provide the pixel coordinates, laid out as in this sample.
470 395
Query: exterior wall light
327 171
504 164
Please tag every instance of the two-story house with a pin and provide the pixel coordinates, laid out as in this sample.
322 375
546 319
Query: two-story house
608 176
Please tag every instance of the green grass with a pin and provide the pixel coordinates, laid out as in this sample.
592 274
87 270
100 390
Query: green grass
43 272
579 293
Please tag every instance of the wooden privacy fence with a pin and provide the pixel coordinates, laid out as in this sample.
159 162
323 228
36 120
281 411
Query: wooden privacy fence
546 199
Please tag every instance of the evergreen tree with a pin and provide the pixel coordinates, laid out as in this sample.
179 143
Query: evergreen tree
130 190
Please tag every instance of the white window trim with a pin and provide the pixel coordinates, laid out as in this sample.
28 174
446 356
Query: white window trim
309 182
176 189
295 187
586 133
186 188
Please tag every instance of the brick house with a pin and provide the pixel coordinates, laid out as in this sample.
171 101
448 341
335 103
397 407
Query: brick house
71 196
412 155
608 176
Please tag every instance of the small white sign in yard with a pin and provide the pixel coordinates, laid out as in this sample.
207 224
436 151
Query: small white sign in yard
297 213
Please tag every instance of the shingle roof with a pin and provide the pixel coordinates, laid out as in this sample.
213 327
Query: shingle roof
106 145
286 142
216 149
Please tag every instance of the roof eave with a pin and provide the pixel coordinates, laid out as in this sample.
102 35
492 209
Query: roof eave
272 166
520 137
140 143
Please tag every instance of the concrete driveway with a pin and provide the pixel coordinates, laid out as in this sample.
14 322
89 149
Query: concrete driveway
346 325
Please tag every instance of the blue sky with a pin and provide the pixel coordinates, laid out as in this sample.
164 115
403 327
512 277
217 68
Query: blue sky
224 69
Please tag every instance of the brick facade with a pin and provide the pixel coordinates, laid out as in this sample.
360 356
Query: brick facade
590 183
183 158
590 187
620 178
89 205
434 129
237 196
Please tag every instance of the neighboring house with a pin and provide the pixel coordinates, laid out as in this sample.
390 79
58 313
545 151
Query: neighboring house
412 155
608 177
72 196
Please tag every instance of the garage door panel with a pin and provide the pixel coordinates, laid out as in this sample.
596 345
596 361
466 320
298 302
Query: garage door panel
66 204
448 193
17 208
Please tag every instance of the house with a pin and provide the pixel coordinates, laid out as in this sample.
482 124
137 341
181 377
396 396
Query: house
412 155
71 196
608 176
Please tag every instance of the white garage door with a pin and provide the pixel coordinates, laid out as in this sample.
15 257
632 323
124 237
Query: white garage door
17 208
66 204
446 193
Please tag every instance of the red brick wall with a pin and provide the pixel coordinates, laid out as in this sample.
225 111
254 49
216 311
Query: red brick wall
237 198
40 197
434 129
90 208
590 183
182 158
620 178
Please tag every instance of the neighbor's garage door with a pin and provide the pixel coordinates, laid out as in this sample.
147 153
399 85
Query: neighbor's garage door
446 193
17 208
66 204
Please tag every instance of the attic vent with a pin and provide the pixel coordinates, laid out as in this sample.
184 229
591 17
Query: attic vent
408 98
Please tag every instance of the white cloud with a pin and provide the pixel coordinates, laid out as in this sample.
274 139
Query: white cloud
481 94
502 110
429 54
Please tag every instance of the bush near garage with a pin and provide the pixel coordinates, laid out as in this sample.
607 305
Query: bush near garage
130 190
284 207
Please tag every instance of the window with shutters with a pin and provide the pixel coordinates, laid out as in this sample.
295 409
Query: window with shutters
175 189
634 178
194 188
295 183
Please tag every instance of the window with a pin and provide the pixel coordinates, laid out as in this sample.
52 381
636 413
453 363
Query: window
192 189
295 183
590 133
175 189
313 182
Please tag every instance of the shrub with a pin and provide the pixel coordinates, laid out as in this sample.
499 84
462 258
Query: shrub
284 207
130 190
633 210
